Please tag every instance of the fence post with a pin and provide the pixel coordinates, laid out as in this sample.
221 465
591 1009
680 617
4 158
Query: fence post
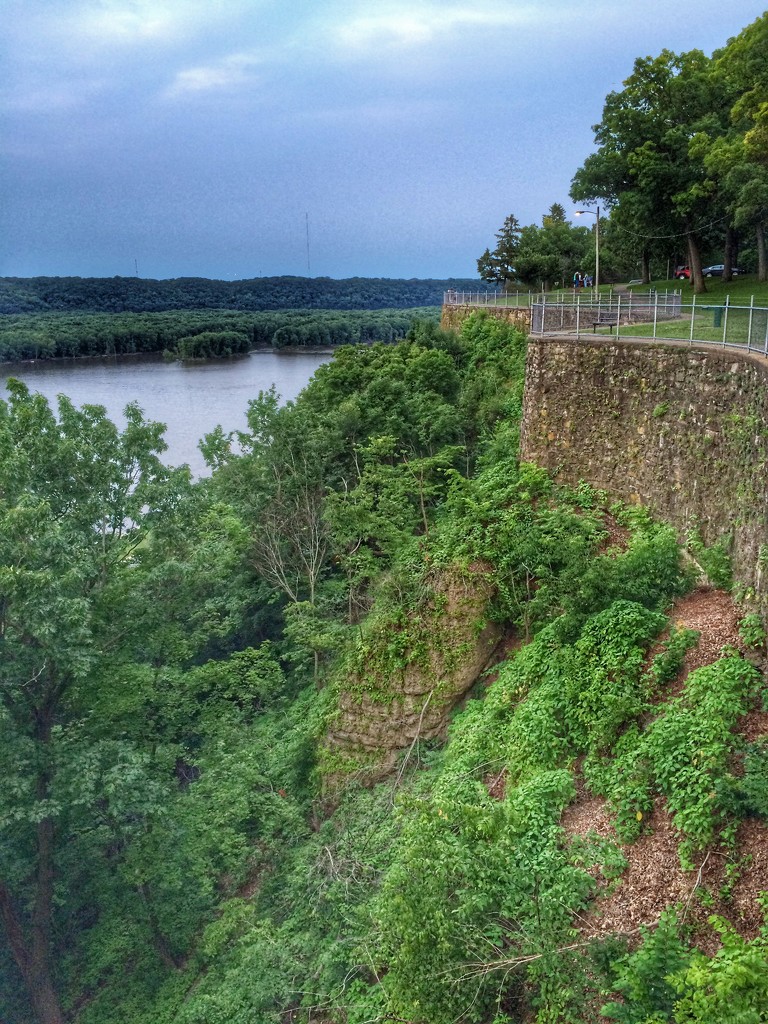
749 327
618 311
655 314
725 318
578 315
693 317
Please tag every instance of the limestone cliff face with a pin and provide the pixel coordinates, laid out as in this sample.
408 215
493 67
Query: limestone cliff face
453 316
388 702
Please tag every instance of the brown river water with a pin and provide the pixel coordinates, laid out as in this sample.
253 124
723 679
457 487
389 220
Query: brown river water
190 398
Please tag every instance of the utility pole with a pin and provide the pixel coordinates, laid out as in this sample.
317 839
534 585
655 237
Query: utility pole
597 242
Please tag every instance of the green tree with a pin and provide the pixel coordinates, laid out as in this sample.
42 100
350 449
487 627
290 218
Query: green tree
646 166
78 500
548 255
500 265
739 157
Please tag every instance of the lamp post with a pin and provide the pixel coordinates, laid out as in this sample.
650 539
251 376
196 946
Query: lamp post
597 242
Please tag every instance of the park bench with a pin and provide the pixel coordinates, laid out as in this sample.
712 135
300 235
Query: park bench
605 318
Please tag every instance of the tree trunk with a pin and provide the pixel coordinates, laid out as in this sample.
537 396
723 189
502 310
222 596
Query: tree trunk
694 262
762 263
645 258
728 256
33 955
32 960
159 941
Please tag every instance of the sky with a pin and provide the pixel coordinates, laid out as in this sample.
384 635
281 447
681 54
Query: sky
246 138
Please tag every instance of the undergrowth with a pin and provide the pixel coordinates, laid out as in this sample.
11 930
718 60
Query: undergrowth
452 891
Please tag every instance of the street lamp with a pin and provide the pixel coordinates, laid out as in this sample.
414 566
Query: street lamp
597 242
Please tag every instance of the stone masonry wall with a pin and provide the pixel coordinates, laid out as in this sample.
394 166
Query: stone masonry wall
681 430
454 315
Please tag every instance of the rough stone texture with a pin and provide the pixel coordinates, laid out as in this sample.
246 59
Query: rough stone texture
377 721
453 316
679 429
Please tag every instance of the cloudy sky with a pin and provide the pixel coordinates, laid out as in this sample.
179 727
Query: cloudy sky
203 137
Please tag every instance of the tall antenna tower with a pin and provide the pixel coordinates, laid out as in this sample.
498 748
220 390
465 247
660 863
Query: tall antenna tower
306 218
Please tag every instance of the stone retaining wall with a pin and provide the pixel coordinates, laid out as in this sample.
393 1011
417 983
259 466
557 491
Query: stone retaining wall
681 430
453 316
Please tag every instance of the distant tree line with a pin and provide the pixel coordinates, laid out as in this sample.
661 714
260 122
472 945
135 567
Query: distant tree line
194 334
137 295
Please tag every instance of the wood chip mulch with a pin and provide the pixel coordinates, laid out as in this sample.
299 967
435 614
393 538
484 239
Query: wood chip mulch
713 614
653 878
618 536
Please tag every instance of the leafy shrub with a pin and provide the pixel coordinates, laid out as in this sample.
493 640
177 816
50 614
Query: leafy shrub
752 630
746 795
683 753
642 979
714 560
730 987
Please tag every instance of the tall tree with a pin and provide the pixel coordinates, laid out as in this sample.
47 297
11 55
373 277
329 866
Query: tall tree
645 166
77 499
740 157
551 253
499 265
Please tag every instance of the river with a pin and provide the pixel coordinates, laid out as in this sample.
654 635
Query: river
190 398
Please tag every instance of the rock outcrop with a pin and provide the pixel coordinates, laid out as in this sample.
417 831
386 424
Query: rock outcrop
385 705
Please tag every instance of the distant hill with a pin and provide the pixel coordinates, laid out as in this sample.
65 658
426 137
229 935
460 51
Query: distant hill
139 295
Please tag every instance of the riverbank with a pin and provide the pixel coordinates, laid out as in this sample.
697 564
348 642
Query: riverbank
116 358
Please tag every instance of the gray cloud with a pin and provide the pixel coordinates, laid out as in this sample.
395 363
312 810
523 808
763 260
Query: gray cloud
194 137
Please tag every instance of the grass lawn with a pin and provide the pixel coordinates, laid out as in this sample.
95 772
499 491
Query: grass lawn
744 318
735 331
740 290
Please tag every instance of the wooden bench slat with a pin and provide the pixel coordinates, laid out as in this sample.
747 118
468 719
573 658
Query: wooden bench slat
605 318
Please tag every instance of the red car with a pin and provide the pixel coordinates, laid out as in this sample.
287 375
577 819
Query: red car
682 273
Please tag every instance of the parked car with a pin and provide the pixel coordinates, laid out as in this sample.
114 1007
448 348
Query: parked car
682 273
717 270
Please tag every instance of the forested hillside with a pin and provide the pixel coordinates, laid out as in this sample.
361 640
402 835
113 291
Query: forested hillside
191 837
141 295
197 333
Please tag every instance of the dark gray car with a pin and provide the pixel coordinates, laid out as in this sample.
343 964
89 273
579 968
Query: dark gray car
717 270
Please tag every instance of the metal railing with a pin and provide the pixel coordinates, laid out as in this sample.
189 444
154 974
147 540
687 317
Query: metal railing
604 311
523 299
488 298
646 316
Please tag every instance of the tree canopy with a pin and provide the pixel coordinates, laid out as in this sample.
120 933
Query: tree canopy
538 256
680 157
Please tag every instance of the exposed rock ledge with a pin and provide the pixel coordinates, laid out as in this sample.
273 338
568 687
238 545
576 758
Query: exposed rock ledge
378 720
